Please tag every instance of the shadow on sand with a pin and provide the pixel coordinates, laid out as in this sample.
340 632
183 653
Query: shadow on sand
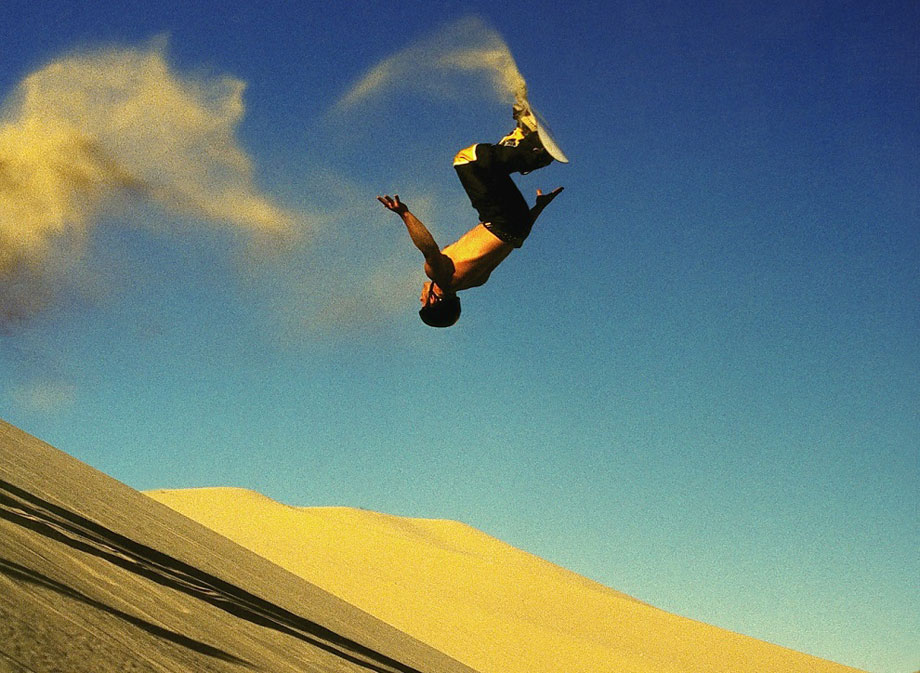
23 574
29 511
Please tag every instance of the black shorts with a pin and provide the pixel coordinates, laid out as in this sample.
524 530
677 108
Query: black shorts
484 171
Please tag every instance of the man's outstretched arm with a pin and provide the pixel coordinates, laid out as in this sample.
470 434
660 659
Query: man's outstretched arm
439 267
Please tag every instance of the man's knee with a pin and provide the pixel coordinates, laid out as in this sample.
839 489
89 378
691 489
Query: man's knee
465 156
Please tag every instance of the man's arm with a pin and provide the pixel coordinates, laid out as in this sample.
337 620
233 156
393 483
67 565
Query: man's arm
439 267
543 200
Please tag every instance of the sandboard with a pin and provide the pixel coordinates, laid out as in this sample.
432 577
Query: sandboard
546 137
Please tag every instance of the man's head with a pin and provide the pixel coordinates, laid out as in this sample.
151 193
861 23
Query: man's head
439 309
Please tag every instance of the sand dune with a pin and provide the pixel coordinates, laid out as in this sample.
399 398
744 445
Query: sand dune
96 577
480 601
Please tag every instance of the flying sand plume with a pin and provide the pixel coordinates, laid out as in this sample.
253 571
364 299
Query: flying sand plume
463 61
105 130
109 128
467 46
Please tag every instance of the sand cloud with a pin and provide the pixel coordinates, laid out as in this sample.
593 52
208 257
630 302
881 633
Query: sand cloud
466 47
103 132
103 129
45 396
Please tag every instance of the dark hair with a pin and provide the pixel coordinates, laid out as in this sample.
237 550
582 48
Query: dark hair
443 313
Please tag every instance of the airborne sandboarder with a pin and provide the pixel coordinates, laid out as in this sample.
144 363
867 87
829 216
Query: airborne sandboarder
505 219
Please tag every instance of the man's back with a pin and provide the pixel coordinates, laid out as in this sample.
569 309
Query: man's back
475 256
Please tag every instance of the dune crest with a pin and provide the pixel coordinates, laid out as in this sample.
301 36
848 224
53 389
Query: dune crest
487 604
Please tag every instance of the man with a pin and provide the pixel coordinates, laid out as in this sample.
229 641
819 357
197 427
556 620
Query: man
505 219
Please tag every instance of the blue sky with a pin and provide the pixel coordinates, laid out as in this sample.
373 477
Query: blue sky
698 382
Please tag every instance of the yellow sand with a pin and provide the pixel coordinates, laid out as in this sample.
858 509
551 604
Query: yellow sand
475 598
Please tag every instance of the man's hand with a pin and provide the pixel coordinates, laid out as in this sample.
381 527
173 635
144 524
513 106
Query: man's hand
393 203
544 199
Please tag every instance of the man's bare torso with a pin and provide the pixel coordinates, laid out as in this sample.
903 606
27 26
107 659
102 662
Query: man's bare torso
475 256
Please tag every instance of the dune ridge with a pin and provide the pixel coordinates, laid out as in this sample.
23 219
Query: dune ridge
479 600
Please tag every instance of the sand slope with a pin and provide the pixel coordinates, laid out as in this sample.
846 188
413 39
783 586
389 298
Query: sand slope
482 602
96 577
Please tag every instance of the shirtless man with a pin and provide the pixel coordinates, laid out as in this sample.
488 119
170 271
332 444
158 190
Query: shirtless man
505 219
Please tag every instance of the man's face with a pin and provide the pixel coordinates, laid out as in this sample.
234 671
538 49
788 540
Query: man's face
430 294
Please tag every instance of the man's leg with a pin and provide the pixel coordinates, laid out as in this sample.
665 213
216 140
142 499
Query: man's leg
484 171
522 156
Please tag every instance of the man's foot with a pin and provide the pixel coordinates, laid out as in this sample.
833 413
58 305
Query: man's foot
524 116
534 155
525 136
526 124
514 138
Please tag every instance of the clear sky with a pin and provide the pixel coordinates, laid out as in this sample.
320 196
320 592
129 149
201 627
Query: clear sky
698 382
